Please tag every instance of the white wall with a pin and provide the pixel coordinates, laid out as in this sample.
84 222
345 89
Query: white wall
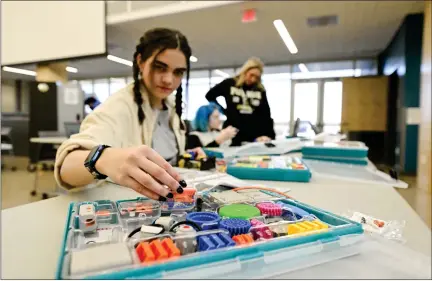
8 96
8 100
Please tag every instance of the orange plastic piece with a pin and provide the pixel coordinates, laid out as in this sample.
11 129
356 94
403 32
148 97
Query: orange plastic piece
170 247
159 251
103 213
145 253
243 239
187 196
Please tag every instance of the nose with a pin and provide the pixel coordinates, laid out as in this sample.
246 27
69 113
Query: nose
167 79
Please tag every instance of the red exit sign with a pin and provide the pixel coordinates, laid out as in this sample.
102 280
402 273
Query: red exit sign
249 15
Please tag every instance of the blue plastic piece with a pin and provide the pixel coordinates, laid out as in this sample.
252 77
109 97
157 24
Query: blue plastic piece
217 241
296 210
235 226
227 240
205 244
206 220
214 241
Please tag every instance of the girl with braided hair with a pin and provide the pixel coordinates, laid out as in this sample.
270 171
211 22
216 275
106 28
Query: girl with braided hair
136 134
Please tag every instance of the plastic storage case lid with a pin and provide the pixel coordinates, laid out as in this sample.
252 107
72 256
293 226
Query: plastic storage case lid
349 257
345 145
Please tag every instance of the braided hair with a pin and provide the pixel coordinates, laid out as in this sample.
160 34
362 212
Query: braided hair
160 39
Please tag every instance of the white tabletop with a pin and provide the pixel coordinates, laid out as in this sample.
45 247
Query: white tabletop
32 234
50 140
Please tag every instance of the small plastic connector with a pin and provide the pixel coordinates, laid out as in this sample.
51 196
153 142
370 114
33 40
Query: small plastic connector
243 239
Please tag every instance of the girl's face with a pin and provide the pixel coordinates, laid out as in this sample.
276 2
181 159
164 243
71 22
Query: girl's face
163 74
214 120
252 76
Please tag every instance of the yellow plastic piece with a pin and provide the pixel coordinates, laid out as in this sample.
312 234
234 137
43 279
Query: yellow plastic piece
181 163
295 228
306 226
313 224
321 224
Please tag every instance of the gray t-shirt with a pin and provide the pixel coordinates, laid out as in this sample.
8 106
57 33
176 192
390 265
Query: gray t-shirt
164 140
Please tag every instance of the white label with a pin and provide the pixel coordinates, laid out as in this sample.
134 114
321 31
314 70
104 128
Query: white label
87 210
71 96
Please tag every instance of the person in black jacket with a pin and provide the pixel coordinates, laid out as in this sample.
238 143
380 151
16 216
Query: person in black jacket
247 106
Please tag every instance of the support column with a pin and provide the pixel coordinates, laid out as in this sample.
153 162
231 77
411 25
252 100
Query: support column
424 156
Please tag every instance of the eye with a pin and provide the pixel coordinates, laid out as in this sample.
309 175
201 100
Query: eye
160 68
179 73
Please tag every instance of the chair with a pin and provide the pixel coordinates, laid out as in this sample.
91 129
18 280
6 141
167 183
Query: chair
7 144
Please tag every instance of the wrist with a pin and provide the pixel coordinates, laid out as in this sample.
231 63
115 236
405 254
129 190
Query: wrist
103 163
219 139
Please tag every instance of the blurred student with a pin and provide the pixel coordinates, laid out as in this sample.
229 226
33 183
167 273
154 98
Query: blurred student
135 136
247 106
92 102
207 129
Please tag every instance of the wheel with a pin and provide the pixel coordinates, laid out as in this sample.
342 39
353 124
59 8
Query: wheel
14 169
44 196
52 167
2 166
31 168
33 193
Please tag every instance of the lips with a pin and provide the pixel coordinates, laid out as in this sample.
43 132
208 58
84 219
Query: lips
165 90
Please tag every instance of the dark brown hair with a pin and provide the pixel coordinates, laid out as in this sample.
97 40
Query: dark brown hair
160 39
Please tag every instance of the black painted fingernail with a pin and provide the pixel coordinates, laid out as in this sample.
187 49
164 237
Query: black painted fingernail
183 183
180 190
161 198
170 195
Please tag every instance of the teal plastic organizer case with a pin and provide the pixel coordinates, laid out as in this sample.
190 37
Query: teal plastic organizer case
342 149
146 239
271 168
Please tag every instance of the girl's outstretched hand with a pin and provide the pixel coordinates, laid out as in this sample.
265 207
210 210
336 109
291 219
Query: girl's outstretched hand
142 169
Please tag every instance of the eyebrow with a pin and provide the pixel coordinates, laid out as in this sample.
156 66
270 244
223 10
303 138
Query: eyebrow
158 62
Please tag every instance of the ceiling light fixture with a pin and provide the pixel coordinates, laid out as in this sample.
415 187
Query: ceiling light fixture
221 73
19 71
303 67
119 60
71 69
286 37
193 59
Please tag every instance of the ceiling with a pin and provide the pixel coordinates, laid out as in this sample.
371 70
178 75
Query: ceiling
220 39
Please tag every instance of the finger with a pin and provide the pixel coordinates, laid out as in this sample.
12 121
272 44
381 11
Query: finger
157 159
159 174
131 183
150 183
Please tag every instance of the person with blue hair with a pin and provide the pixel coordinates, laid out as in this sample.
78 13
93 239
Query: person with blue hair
206 129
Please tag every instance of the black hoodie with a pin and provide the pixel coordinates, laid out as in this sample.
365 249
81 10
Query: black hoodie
247 110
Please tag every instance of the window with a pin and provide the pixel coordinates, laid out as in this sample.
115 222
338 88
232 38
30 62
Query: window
101 89
332 107
87 87
306 101
116 84
323 70
366 67
218 75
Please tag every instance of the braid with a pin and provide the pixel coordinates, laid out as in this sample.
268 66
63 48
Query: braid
136 88
178 104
